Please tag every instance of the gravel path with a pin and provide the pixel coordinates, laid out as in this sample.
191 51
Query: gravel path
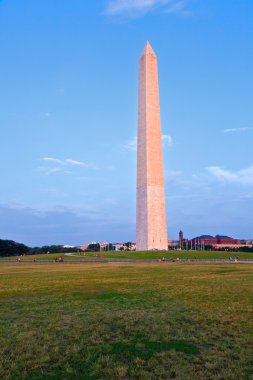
127 261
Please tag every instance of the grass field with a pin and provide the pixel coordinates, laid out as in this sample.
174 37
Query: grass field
126 321
173 254
139 255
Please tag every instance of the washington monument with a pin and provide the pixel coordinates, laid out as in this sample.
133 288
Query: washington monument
151 230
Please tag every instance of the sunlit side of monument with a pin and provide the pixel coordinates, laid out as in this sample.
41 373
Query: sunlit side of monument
151 230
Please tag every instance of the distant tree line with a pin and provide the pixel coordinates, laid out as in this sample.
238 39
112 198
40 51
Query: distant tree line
235 249
11 248
52 249
94 247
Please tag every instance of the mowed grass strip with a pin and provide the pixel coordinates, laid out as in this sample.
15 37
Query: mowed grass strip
132 255
174 254
133 321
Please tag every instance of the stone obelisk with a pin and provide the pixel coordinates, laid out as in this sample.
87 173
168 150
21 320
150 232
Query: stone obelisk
151 230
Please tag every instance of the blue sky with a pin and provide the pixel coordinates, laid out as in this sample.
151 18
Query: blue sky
68 116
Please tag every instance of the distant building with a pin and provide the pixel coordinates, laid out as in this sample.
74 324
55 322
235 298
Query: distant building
104 246
181 237
86 245
83 246
182 242
118 246
133 246
170 243
214 241
130 246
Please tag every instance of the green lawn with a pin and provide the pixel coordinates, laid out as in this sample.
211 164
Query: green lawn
51 256
126 321
173 254
139 255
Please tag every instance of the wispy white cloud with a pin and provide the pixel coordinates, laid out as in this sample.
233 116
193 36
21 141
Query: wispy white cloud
178 7
52 170
75 162
167 140
132 144
79 163
243 176
91 211
54 160
68 161
62 166
45 115
231 130
137 8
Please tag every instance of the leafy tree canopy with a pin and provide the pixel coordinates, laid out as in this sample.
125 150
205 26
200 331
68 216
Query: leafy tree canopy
11 248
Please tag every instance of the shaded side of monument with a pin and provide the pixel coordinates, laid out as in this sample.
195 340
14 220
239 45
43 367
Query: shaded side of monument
151 229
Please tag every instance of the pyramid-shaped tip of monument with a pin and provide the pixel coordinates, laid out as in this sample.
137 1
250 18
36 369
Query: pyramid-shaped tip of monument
148 49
